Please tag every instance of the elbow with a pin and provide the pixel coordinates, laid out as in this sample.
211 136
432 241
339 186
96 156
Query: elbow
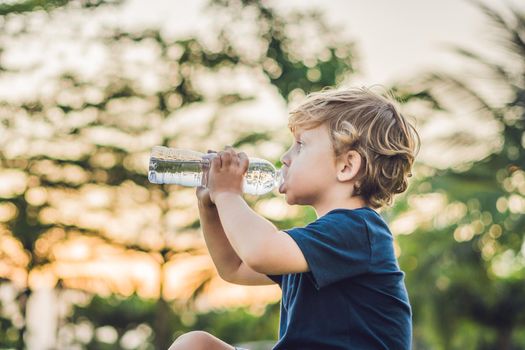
222 276
254 262
227 276
258 263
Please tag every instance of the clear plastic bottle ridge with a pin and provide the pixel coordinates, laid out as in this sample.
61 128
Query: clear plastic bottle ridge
188 168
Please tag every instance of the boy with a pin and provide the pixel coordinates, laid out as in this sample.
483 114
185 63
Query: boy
341 285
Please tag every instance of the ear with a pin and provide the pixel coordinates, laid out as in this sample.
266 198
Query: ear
348 165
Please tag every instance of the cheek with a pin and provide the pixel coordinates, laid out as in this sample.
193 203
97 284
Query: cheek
301 176
296 171
312 172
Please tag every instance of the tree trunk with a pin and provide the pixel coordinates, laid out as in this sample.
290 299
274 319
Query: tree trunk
22 304
504 340
162 326
162 317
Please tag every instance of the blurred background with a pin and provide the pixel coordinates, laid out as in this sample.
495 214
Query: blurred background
93 256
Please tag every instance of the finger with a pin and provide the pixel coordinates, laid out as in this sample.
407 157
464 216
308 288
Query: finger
230 150
226 159
205 176
244 162
234 157
216 164
236 160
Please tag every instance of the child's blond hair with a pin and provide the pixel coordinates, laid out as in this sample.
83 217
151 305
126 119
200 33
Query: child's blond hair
371 124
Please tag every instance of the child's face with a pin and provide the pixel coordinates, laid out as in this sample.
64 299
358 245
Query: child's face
308 168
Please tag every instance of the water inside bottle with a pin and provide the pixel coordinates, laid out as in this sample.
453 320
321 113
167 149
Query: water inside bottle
184 173
260 178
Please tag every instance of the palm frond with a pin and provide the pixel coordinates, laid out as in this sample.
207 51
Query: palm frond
499 70
510 28
461 88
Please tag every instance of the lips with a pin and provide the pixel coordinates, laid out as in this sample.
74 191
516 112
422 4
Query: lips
282 187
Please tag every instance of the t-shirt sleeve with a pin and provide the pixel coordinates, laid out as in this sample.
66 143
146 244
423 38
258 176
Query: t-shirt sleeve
336 246
276 278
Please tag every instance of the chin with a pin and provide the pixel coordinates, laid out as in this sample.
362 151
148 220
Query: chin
289 199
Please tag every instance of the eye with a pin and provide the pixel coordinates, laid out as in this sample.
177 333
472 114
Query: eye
299 144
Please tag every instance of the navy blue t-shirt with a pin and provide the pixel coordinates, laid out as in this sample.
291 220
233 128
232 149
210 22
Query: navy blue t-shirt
354 296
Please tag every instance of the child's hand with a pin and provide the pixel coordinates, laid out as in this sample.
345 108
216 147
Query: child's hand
227 172
203 194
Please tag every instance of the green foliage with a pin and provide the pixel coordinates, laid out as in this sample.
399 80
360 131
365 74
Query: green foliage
465 267
464 272
31 5
116 102
238 325
126 315
18 7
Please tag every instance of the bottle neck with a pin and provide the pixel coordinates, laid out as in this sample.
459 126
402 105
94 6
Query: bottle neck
279 177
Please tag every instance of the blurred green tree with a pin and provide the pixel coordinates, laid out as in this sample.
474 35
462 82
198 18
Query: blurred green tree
465 262
75 152
12 334
11 8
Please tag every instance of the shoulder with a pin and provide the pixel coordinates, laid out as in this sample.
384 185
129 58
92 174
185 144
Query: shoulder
343 217
337 224
365 215
364 220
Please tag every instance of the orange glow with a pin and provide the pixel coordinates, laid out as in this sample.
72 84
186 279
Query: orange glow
90 264
126 214
12 251
185 273
219 294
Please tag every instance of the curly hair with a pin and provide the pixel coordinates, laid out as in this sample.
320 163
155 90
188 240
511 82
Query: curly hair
371 124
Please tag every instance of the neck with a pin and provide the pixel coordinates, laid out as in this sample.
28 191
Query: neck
325 206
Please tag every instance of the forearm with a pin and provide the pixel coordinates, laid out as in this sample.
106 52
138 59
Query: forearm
221 251
247 231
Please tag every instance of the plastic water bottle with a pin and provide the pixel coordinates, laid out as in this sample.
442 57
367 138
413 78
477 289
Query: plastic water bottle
190 168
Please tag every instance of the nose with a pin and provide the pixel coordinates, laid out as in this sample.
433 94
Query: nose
285 159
